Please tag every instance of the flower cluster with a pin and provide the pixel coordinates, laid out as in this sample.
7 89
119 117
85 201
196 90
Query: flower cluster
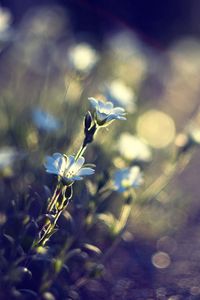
71 168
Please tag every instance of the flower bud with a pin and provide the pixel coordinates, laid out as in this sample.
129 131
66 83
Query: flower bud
88 120
89 134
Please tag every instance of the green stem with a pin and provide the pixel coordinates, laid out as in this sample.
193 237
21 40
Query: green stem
42 241
51 226
124 215
81 151
54 198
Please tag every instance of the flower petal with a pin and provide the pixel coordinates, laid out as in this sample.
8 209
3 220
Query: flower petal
112 117
118 110
106 108
60 164
101 116
77 178
70 161
101 105
80 161
75 167
94 103
55 164
57 155
121 118
48 161
85 171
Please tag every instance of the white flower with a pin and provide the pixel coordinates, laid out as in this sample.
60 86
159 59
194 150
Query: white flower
127 178
105 112
67 167
120 94
133 148
44 120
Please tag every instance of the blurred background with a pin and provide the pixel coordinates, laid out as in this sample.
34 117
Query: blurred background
153 20
144 56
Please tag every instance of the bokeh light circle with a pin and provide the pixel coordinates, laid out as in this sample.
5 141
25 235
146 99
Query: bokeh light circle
157 128
161 260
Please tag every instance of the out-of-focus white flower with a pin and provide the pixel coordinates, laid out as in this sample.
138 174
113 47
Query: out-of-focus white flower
44 22
125 44
6 33
120 94
105 112
67 167
133 148
130 56
127 178
83 57
5 19
7 157
44 120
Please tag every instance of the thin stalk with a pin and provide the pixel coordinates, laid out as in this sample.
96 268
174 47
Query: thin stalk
120 225
125 213
81 151
161 182
52 203
84 146
49 229
54 199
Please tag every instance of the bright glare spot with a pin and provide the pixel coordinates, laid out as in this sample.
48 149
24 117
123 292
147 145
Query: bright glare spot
132 148
157 128
161 260
83 57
